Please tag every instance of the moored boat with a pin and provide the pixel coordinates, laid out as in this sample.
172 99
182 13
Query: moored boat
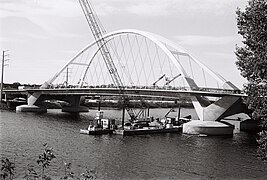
100 126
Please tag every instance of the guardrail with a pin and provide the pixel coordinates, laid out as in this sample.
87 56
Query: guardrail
203 89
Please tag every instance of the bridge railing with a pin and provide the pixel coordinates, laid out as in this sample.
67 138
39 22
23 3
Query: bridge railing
203 89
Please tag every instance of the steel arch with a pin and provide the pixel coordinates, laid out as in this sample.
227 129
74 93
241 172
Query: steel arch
161 42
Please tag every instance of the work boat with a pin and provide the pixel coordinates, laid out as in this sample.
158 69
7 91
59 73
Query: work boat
100 125
150 126
142 125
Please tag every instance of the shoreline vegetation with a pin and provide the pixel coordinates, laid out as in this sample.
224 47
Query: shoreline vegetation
252 63
40 169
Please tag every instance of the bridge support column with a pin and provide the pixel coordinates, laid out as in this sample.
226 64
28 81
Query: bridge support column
74 105
211 113
31 107
225 106
32 101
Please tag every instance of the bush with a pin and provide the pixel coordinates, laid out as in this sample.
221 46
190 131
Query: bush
44 161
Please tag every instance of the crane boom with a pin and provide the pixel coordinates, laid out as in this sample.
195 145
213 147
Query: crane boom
169 81
101 42
102 45
161 77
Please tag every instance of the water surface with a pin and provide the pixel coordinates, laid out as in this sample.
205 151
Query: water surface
163 156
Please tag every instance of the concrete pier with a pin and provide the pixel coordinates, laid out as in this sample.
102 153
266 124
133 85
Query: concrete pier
30 108
196 127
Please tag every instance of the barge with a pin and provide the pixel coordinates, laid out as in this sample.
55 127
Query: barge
147 125
148 130
96 131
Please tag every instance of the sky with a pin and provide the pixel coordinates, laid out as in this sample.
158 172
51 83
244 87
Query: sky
43 35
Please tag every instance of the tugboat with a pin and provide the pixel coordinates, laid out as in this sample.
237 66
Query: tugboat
100 125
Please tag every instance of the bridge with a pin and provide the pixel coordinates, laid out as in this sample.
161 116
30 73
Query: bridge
144 92
141 59
136 64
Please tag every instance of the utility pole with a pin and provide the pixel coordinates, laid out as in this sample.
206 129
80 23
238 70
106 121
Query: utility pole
2 77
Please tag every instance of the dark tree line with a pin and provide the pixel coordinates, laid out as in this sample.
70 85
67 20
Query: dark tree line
252 62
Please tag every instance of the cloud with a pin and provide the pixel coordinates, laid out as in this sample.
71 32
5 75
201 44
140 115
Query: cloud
225 56
181 7
68 35
106 9
148 8
71 8
205 40
5 40
29 8
64 8
71 52
31 35
13 25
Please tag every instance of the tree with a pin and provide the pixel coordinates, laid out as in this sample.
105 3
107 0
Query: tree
252 62
15 85
7 169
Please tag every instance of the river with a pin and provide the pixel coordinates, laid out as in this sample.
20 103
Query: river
162 156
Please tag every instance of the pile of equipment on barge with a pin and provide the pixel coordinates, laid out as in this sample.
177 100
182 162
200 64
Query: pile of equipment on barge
147 125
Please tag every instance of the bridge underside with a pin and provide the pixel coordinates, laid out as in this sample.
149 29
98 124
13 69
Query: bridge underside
71 105
221 106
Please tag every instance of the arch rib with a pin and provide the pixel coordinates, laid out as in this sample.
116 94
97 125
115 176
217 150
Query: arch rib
160 42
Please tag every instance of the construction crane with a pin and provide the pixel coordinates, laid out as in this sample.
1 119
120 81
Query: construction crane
169 81
161 77
101 42
102 45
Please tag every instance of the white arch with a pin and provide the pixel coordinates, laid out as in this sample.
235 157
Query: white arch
215 75
160 42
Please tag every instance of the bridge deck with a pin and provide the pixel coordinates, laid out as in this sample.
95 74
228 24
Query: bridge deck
168 93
